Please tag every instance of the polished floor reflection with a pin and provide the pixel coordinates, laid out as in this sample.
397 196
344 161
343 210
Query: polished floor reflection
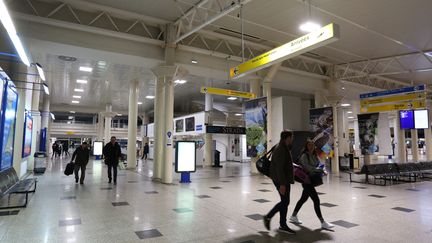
220 205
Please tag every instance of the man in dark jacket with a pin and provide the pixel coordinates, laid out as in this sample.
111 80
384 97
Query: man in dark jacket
282 174
146 151
81 157
112 153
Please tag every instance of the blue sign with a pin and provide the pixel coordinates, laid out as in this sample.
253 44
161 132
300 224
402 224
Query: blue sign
8 127
199 128
169 134
394 91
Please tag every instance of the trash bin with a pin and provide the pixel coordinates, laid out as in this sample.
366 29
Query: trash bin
39 162
216 159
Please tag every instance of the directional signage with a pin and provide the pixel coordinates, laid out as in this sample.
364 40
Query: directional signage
392 107
227 92
394 91
225 130
394 98
313 40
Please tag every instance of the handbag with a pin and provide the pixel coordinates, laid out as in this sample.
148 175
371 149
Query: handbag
263 163
316 179
301 175
69 169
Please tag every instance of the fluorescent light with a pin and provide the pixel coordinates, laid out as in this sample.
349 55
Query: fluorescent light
150 97
194 61
78 90
45 87
119 115
86 69
238 114
81 81
309 27
350 117
76 97
345 104
69 122
70 117
75 101
139 103
349 112
73 112
40 71
180 81
52 115
232 98
10 28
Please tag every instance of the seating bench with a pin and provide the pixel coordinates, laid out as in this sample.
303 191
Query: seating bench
10 184
383 172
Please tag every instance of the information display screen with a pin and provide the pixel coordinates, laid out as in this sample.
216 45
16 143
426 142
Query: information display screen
421 119
185 160
407 119
97 148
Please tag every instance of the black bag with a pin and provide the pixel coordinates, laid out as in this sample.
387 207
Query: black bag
316 179
69 170
263 163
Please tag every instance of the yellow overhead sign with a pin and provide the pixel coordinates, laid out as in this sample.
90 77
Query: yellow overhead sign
392 99
227 92
315 39
394 107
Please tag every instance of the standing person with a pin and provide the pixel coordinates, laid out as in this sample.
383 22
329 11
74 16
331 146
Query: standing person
112 153
81 156
146 151
59 149
282 174
65 149
54 149
310 162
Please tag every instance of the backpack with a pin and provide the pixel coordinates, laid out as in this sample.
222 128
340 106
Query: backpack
263 163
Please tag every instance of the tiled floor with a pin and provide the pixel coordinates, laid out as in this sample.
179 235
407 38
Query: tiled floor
211 210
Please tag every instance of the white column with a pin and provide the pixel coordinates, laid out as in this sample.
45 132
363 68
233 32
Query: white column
414 145
167 175
100 127
45 123
208 138
335 160
428 137
319 99
36 115
132 125
255 86
158 126
400 146
108 119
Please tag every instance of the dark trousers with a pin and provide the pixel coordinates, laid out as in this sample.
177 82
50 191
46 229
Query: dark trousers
282 206
112 167
309 191
144 156
77 168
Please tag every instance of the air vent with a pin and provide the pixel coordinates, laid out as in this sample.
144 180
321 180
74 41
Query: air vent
67 58
239 34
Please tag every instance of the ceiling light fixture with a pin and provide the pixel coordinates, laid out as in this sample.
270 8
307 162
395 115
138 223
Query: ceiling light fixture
180 81
349 112
139 103
52 115
86 69
194 61
238 114
76 96
150 97
345 104
10 28
81 81
40 71
350 117
309 26
70 117
232 98
119 115
45 87
75 101
73 112
78 90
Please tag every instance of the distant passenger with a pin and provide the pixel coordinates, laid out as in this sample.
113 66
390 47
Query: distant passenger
112 153
146 151
81 156
282 173
54 150
310 162
65 149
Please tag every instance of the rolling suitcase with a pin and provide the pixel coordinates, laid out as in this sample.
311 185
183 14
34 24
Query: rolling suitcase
69 170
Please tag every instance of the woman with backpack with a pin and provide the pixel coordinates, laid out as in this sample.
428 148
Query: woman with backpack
310 163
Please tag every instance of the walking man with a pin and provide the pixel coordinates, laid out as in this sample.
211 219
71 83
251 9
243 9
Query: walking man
112 153
81 156
146 151
282 174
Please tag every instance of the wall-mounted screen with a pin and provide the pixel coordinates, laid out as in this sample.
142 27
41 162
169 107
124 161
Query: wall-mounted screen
421 119
97 148
179 125
190 124
407 119
185 160
27 140
8 131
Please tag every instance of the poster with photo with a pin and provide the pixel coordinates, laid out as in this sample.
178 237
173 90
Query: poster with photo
8 127
368 132
321 123
190 124
179 125
27 140
256 126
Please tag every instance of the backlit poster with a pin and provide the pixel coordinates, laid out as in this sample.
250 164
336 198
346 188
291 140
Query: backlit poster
179 125
190 124
8 131
368 132
321 123
27 141
97 148
185 160
256 126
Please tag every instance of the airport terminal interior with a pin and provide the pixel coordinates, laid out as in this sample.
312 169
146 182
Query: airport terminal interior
189 120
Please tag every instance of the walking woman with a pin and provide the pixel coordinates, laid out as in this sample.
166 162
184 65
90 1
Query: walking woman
309 161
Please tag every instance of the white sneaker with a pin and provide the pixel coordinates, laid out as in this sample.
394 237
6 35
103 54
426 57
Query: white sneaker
295 220
326 225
